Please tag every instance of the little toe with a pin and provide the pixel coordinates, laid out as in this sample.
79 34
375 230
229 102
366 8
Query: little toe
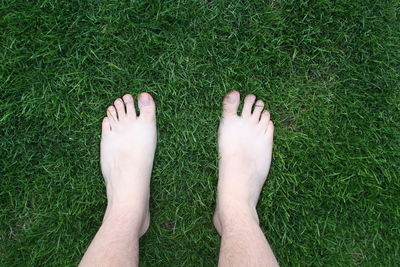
248 105
231 104
120 106
147 106
270 131
130 106
258 108
105 127
264 120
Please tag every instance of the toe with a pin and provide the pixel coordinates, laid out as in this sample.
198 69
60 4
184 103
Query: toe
258 108
105 127
264 120
112 114
130 106
119 105
147 106
231 104
270 131
248 104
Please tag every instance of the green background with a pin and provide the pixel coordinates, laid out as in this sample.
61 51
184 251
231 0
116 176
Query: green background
327 70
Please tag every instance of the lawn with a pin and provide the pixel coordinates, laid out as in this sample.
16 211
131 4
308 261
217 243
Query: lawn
329 72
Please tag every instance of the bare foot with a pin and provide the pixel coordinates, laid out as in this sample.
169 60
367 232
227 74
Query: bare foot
127 149
245 149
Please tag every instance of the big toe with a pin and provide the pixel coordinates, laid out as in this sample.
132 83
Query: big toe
231 104
147 106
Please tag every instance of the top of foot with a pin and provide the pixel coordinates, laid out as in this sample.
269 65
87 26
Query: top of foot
128 144
245 149
127 137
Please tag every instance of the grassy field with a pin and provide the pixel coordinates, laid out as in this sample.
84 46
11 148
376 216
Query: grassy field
329 72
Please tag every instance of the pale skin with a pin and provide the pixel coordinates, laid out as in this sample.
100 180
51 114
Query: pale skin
128 144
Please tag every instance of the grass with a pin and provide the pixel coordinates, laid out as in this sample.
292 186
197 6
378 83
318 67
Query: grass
328 71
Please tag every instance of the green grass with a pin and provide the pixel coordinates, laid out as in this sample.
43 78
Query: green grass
329 72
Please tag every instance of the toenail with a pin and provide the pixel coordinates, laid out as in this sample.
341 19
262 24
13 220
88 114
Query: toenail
145 99
127 98
251 97
230 98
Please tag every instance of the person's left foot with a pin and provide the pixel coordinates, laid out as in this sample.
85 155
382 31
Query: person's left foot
127 149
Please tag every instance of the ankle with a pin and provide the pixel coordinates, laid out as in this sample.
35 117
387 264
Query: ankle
234 216
127 218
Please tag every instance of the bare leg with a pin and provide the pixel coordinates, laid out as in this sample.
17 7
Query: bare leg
245 148
127 149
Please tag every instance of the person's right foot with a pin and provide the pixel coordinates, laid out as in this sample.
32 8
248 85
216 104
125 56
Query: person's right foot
245 150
